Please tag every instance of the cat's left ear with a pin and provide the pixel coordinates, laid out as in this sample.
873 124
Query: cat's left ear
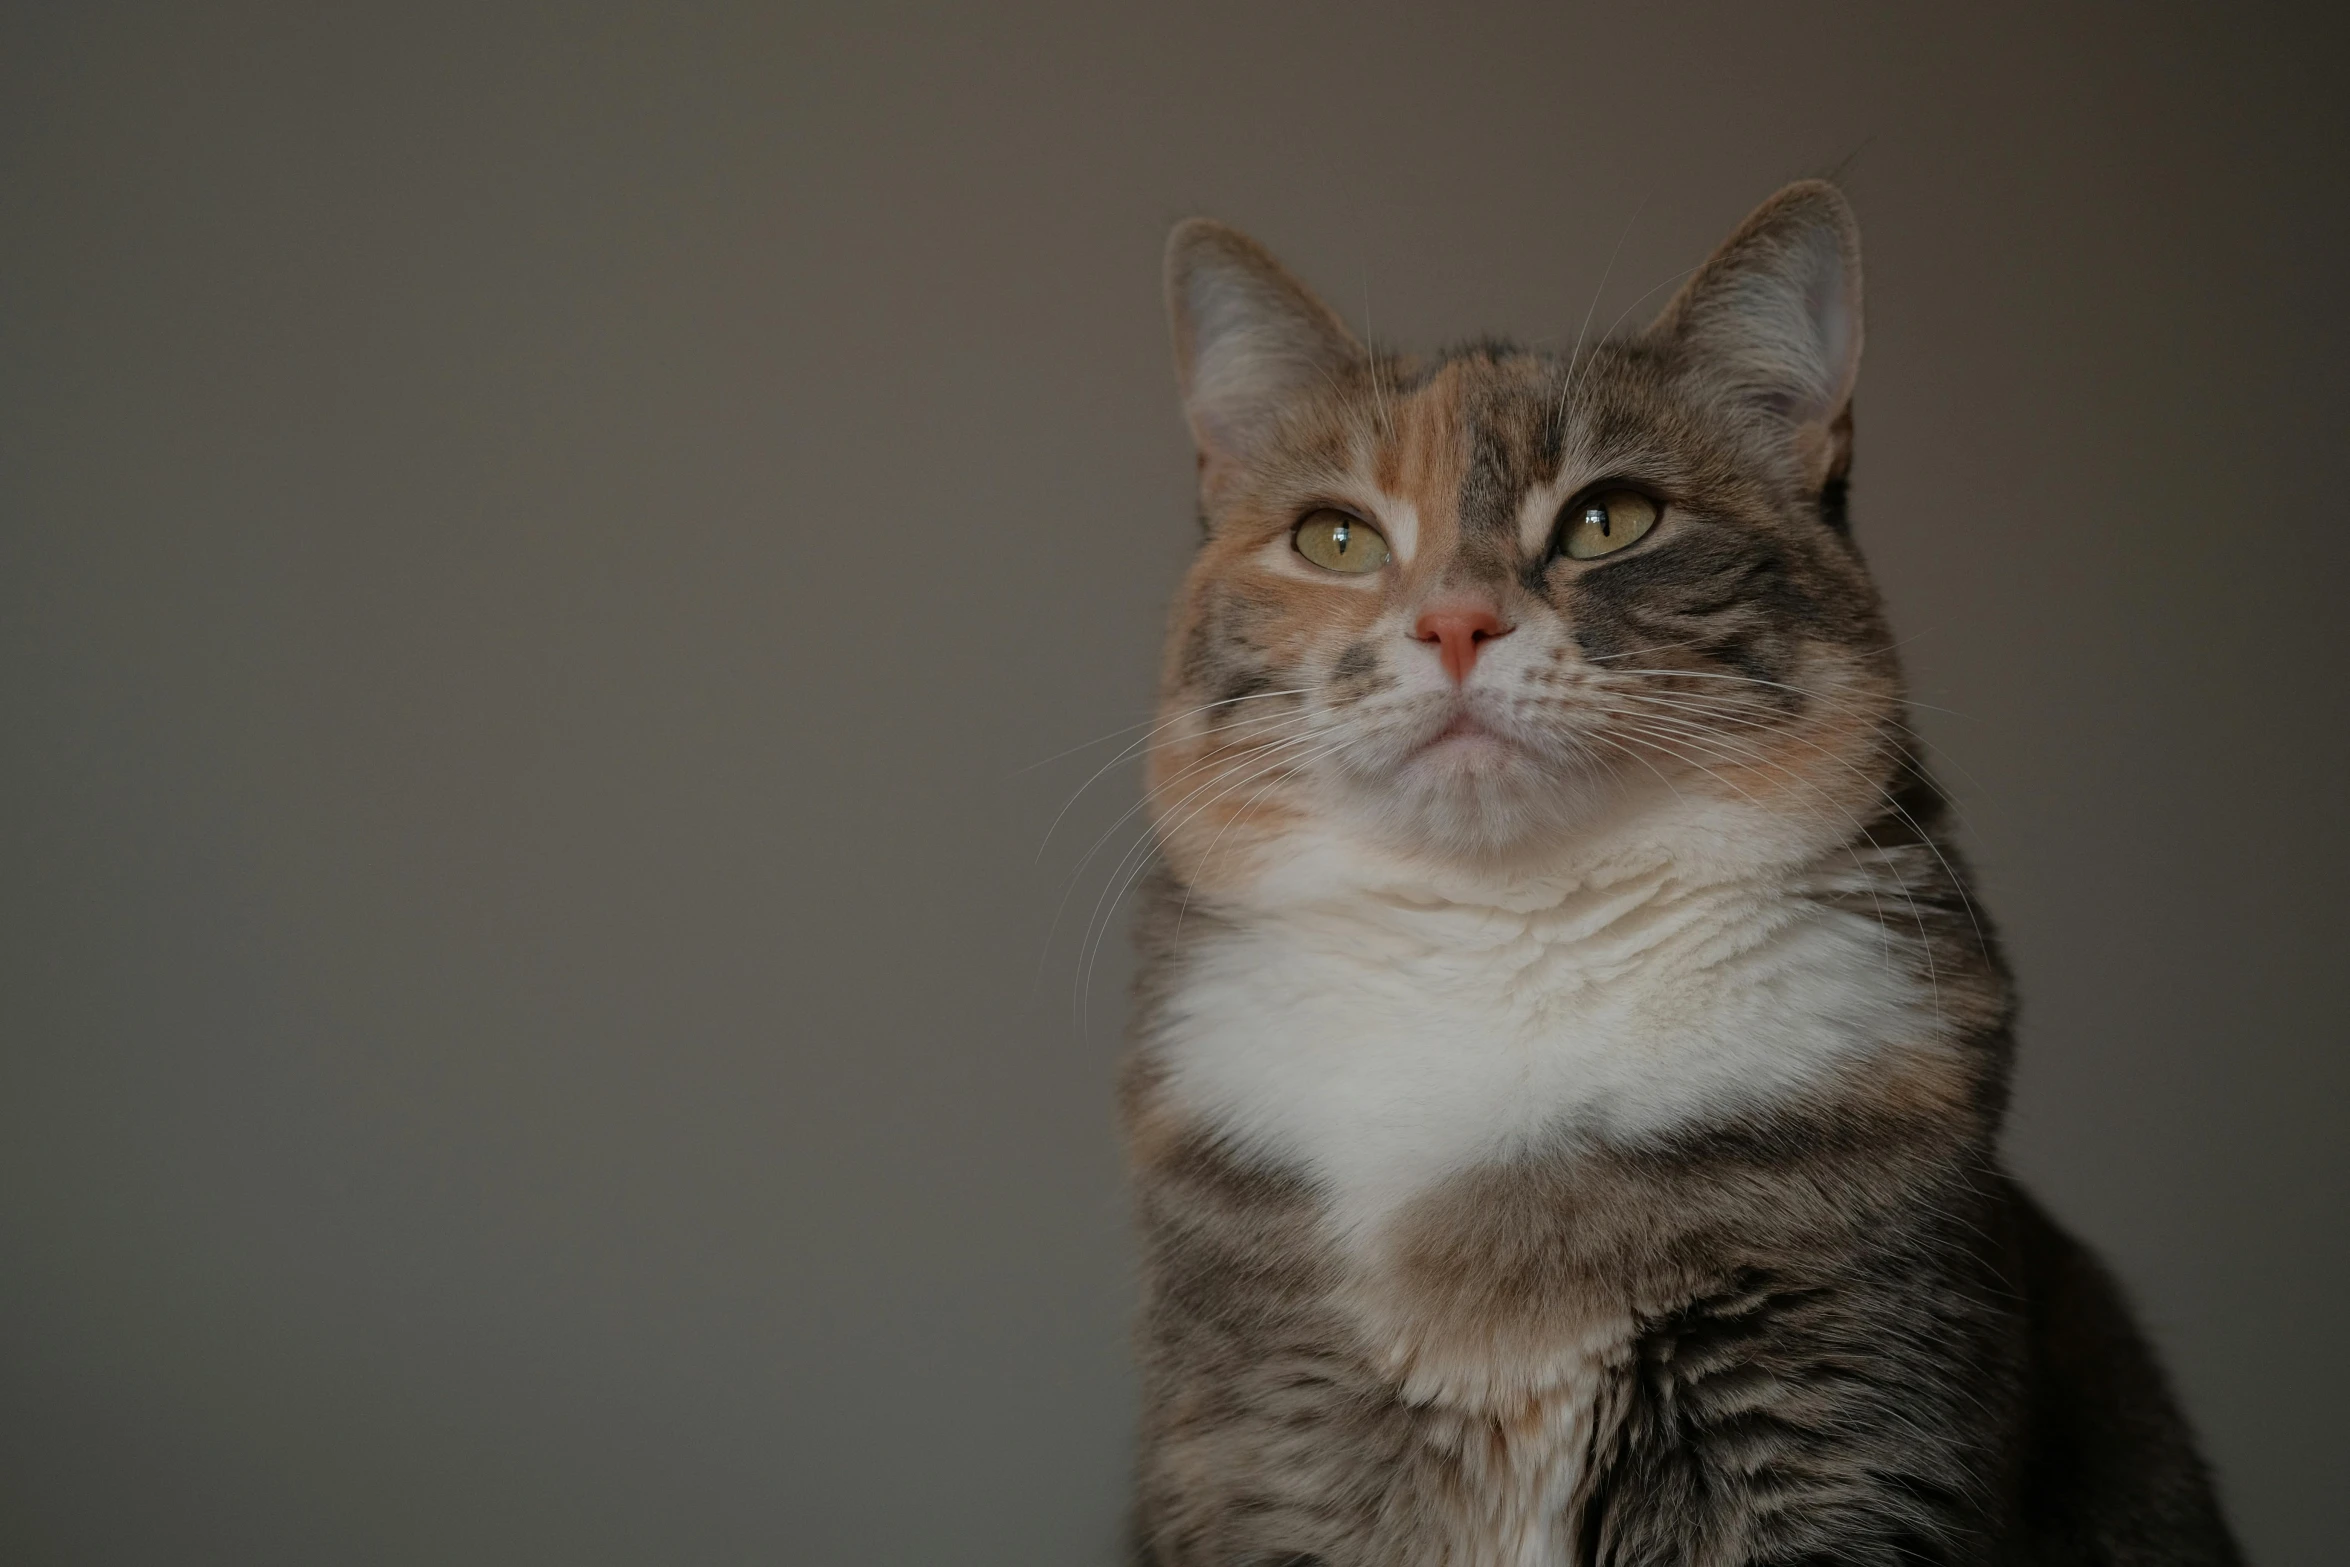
1251 341
1773 320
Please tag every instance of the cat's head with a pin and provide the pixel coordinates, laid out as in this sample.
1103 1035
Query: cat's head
1478 604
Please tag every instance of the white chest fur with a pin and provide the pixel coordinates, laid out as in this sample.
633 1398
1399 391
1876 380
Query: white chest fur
1386 1045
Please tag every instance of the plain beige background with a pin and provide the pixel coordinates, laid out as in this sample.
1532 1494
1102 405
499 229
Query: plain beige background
537 541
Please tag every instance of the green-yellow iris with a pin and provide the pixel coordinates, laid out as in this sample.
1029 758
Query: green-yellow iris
1338 542
1605 523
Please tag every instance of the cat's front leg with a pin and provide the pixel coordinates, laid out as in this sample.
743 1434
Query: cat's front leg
1859 1423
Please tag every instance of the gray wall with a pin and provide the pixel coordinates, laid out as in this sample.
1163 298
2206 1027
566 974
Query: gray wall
535 544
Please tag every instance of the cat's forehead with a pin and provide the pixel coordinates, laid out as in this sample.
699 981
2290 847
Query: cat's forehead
1474 426
1469 439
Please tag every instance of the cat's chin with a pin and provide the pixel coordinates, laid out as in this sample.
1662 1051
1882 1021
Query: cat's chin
1474 793
1469 760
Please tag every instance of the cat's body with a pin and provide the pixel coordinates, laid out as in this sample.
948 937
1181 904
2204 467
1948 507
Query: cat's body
1568 1066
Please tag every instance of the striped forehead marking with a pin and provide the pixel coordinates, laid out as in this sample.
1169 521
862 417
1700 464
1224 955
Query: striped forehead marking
1472 437
1509 415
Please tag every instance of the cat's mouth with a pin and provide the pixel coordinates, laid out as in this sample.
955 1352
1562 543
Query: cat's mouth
1465 737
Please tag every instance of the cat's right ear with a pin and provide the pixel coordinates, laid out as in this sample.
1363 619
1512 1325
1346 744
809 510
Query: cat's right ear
1773 320
1250 340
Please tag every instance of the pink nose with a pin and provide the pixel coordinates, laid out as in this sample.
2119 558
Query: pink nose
1458 634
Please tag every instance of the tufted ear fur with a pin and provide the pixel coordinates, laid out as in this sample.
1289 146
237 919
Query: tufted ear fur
1773 319
1249 338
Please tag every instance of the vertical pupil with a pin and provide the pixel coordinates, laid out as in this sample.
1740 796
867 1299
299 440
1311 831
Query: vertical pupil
1597 516
1338 537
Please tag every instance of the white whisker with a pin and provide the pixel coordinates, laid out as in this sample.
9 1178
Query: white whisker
1215 757
1122 879
1139 745
1957 882
1656 737
1154 724
1573 377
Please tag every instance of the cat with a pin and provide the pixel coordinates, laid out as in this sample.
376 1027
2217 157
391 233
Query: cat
1567 1065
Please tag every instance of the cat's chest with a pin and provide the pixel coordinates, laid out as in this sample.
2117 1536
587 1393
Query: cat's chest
1384 1055
1401 1062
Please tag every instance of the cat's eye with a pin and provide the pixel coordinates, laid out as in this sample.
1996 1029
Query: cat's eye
1338 542
1604 523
